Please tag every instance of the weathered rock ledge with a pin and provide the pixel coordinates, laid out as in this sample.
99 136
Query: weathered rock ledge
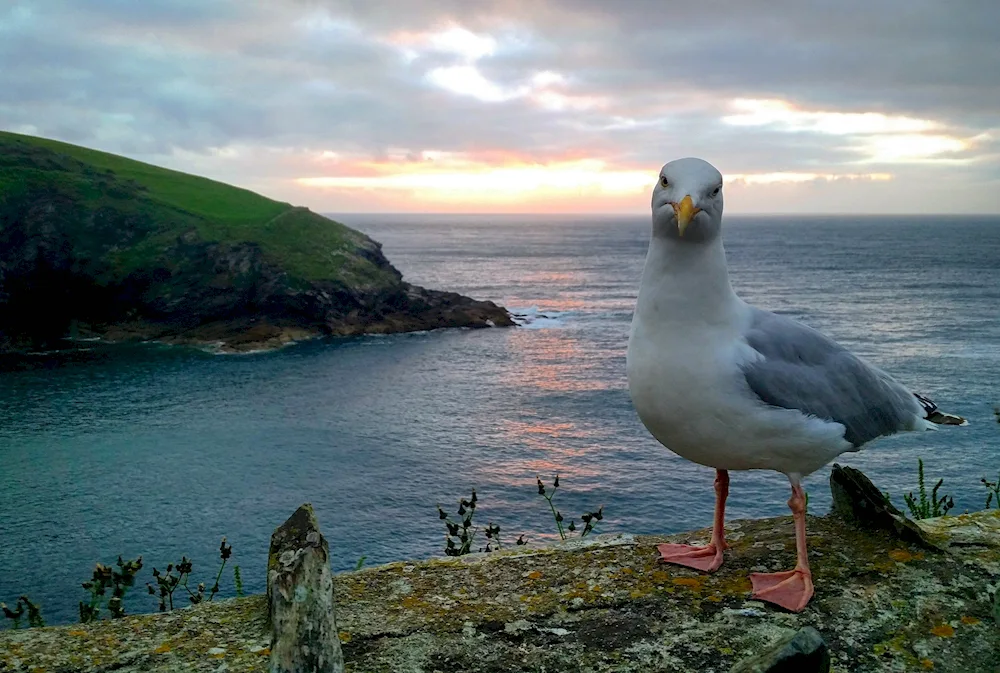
881 604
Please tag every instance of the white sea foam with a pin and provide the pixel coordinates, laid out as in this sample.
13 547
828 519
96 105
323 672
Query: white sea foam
253 351
58 351
534 318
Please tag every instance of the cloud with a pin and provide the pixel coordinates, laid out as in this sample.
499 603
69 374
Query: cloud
522 93
879 137
793 178
452 40
755 112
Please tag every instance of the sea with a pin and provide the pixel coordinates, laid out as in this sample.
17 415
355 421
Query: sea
161 451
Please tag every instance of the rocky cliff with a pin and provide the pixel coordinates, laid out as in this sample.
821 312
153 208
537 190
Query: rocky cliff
92 244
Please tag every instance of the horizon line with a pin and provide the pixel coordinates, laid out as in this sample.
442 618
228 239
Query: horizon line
644 214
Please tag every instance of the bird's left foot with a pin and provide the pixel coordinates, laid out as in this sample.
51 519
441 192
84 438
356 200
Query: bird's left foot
791 589
706 558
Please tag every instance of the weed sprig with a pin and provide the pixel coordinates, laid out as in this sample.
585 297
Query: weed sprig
992 491
461 534
923 507
589 519
224 554
23 605
107 577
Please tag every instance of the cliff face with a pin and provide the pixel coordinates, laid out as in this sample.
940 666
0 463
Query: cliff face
881 604
97 245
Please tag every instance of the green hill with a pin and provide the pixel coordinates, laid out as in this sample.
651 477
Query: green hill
175 202
123 249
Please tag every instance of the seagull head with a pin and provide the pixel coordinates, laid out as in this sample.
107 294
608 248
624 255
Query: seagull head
687 201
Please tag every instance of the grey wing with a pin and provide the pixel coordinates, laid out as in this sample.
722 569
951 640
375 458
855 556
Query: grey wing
805 370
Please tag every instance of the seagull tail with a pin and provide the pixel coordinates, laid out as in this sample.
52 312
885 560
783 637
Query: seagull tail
935 415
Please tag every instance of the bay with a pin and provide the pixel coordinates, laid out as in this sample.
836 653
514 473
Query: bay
161 451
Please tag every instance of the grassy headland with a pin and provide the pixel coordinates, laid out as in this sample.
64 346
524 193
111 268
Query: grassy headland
110 246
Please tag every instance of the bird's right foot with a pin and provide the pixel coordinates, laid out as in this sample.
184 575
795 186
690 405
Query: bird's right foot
707 558
791 589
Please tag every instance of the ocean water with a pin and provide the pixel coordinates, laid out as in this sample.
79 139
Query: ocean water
161 451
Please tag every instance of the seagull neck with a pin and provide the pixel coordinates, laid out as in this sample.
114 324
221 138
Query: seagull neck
686 280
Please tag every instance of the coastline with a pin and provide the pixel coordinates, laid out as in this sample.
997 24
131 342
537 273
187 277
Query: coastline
248 334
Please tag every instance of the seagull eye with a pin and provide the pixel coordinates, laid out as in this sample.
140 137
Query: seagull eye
663 181
715 192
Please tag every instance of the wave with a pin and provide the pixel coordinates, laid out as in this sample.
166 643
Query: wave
55 352
253 351
534 318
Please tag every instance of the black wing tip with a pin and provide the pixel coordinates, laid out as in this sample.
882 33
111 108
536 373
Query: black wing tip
927 404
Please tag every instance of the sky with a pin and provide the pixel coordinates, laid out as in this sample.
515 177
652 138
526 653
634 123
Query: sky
806 106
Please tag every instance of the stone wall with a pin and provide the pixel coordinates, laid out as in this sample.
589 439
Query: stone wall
883 603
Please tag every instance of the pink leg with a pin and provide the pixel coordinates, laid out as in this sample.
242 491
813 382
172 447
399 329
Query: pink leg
791 589
709 557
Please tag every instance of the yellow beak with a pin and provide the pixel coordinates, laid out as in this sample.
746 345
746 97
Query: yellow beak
685 213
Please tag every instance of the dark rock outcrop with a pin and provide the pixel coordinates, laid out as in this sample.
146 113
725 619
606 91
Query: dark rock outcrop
857 501
804 651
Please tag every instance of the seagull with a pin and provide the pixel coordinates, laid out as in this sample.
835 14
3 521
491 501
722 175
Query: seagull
733 387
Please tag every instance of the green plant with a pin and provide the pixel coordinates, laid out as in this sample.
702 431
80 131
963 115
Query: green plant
923 507
118 579
360 563
168 582
461 534
23 605
13 615
107 577
224 554
588 518
992 491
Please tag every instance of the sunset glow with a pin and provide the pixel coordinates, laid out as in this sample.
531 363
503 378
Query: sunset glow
481 182
448 179
496 178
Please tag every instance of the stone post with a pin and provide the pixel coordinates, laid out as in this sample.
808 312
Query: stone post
856 500
300 601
